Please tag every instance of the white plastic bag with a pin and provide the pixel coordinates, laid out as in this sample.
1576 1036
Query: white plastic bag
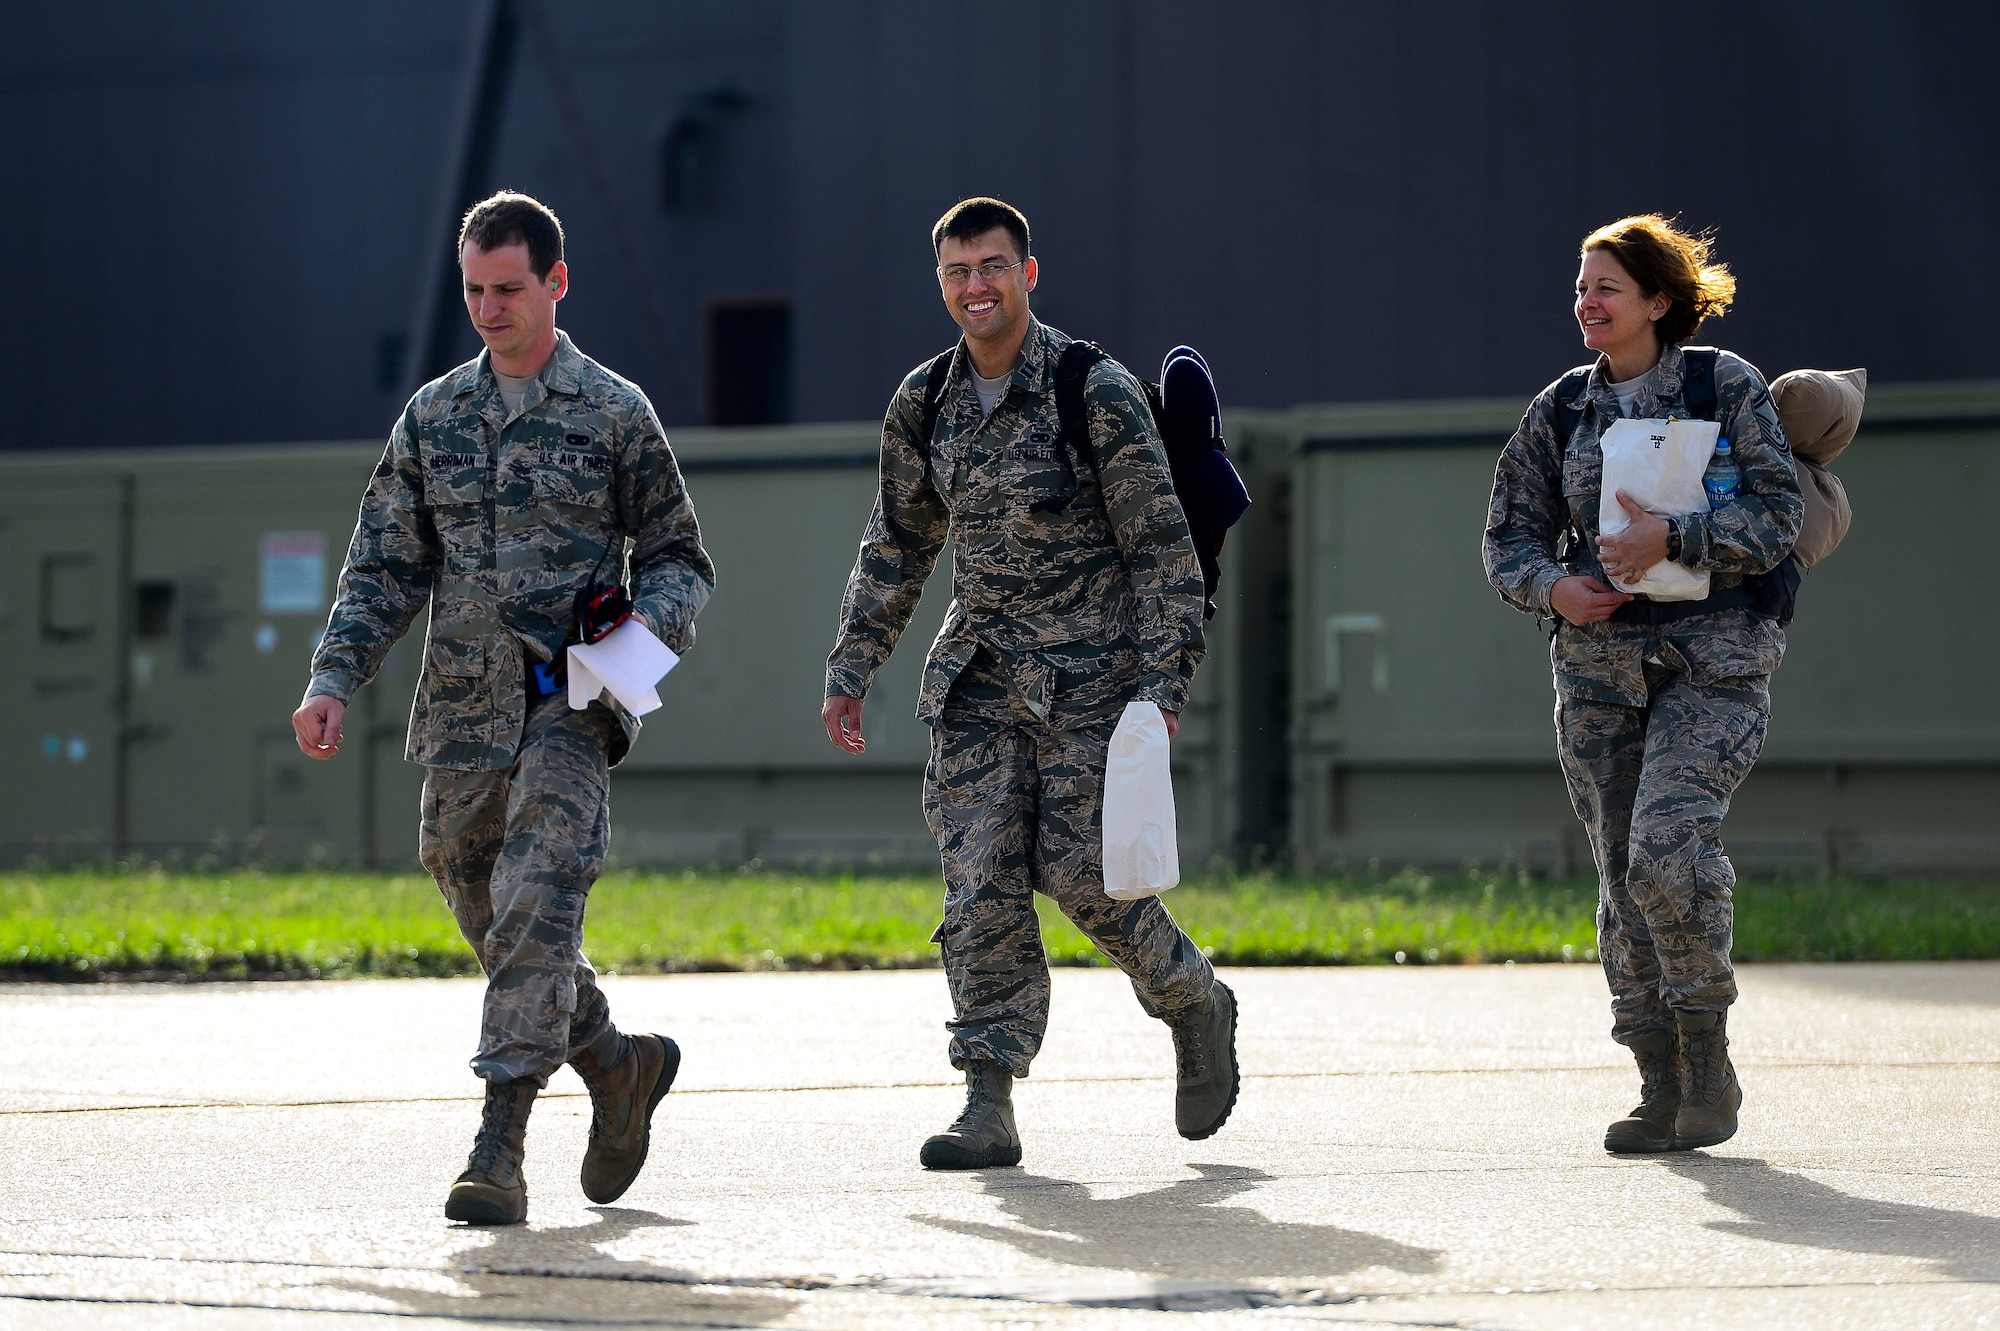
1659 464
1142 855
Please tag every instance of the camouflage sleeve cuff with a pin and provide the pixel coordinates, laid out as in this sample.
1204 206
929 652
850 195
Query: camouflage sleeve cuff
1541 592
1165 689
1697 536
846 681
340 685
658 617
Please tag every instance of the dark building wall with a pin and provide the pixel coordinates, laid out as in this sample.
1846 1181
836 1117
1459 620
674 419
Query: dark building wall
1351 201
211 213
220 211
646 277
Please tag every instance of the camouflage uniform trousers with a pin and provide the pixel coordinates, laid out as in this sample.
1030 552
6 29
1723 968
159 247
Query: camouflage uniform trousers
1017 808
515 852
1653 785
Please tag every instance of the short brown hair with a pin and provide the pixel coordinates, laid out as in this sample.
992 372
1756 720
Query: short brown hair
508 218
1665 260
970 218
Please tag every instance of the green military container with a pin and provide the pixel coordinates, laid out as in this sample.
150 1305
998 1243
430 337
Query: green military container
1231 784
1366 699
166 602
1422 705
736 767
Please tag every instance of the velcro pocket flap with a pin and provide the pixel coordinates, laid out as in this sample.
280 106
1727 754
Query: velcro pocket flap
456 478
1583 472
581 479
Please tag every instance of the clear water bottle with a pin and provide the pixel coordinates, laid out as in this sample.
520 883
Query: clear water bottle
1722 481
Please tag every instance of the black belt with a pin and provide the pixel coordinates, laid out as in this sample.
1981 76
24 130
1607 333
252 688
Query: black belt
1641 610
1773 594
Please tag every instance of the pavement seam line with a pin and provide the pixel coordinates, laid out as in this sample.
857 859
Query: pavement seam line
928 1285
942 1085
501 1320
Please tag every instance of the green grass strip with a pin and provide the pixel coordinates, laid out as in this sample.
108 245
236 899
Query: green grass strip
219 925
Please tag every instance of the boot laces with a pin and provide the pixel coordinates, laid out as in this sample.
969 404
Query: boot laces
491 1142
600 1110
1659 1078
1703 1054
977 1105
979 1102
1192 1065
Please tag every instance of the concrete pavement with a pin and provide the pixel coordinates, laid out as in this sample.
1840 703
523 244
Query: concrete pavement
1412 1147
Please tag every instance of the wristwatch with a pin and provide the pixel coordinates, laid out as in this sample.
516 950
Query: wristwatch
1673 539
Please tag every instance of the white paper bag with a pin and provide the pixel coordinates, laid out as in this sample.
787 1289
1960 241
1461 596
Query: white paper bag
627 662
1659 464
1142 855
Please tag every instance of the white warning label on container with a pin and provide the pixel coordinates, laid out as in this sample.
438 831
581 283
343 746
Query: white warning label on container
293 573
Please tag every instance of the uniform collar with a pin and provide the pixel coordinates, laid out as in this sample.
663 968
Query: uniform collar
562 374
1662 382
1035 371
476 380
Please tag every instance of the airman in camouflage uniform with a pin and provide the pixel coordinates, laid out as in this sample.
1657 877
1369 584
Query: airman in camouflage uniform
1075 591
496 516
1656 723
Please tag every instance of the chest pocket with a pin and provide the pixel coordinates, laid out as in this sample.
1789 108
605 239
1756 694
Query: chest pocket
1582 481
1040 473
453 479
572 474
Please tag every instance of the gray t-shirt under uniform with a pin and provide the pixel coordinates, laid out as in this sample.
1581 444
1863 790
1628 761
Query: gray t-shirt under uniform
1627 392
513 390
990 390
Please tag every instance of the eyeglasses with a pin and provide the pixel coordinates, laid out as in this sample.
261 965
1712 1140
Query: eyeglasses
958 274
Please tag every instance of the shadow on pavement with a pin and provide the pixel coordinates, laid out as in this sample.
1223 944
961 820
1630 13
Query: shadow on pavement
1181 1232
533 1274
1782 1207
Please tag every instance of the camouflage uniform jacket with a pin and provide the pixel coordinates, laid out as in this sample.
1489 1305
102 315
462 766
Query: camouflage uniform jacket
1080 579
1540 485
498 523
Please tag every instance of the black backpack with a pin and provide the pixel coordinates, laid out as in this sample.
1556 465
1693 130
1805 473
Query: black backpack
1773 594
1211 494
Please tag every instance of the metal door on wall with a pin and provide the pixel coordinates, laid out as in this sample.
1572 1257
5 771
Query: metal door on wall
60 626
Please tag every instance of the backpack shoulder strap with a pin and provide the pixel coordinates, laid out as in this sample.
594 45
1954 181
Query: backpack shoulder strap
1698 384
1072 373
1569 403
936 375
1774 593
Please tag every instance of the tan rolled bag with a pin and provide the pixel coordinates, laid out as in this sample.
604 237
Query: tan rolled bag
1820 410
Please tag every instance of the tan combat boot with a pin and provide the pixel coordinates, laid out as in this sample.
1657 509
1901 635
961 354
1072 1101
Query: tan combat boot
1205 1058
492 1190
622 1101
1650 1127
1710 1093
983 1137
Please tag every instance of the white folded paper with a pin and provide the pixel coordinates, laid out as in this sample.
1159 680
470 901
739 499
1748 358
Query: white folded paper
1659 464
627 663
1142 855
